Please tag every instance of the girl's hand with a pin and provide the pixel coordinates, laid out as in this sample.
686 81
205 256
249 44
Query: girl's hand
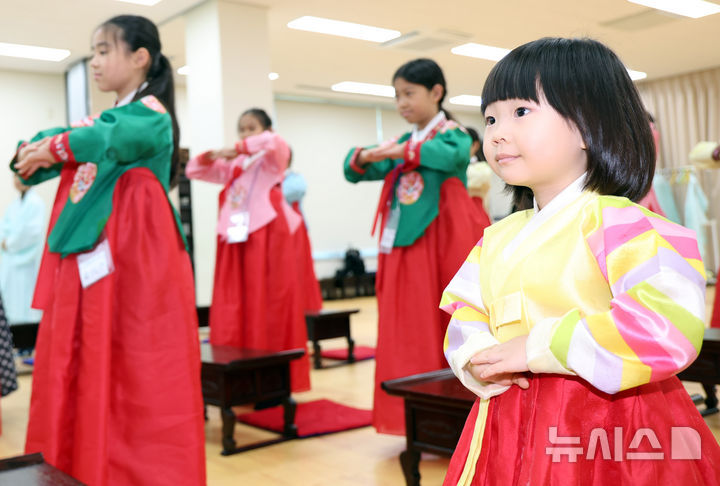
387 150
226 153
502 363
33 157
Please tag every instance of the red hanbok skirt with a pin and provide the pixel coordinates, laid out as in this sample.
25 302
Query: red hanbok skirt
610 434
116 396
409 285
256 300
309 286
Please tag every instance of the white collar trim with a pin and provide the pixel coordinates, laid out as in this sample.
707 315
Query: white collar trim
418 135
566 197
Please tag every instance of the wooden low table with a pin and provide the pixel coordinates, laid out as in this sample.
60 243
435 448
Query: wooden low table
436 406
328 324
32 470
238 376
706 370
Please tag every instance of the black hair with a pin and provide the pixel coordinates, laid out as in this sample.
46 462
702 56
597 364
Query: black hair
425 72
588 85
475 136
260 115
137 32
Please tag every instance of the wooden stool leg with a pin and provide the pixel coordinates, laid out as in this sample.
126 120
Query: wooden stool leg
317 359
351 349
289 407
228 430
410 461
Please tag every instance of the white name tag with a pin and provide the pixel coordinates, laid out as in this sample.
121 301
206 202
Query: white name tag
95 264
239 228
388 237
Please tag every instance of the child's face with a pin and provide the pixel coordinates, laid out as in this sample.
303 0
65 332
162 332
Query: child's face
529 144
114 65
415 102
249 125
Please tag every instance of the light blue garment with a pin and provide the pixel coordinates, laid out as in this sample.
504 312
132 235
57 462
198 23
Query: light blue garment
22 228
294 188
665 198
696 206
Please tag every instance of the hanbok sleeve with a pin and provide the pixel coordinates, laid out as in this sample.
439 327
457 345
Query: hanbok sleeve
468 332
375 171
113 136
655 324
205 168
448 151
276 153
43 173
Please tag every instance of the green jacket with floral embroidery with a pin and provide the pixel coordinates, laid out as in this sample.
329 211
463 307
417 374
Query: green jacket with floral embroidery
413 183
138 134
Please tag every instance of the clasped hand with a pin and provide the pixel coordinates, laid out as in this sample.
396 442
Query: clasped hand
503 364
34 156
387 150
226 153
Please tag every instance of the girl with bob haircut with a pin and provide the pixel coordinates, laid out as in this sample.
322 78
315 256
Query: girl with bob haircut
571 319
116 396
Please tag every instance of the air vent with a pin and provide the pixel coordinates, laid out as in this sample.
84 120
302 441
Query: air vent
643 20
420 41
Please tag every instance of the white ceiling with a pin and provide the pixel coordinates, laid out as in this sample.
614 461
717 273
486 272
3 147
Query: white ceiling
646 40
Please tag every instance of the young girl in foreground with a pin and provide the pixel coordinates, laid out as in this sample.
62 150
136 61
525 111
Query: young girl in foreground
257 300
429 224
116 396
570 319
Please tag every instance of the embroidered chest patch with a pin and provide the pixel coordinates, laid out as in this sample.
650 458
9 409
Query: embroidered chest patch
410 187
236 195
82 181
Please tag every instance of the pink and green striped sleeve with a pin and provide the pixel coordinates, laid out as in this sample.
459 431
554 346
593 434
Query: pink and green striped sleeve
468 332
654 327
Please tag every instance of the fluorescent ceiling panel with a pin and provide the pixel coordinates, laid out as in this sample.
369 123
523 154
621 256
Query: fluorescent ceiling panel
33 52
364 88
480 51
688 8
343 29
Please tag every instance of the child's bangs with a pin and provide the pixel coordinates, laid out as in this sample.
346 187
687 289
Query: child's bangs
513 77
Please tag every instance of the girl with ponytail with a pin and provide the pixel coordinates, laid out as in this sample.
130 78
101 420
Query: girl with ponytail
428 225
116 396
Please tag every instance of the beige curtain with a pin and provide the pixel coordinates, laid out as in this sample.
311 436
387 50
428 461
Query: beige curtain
686 109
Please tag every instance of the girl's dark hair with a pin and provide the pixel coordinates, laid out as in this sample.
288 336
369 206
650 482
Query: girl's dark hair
260 115
475 136
588 85
139 32
427 73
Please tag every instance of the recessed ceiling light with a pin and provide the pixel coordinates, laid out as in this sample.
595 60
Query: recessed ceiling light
364 88
147 3
635 75
480 51
343 29
273 76
466 100
688 8
33 52
184 70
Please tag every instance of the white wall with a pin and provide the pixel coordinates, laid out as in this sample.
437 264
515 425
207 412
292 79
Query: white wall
30 102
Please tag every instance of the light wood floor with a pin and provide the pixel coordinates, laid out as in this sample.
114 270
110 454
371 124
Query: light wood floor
351 458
